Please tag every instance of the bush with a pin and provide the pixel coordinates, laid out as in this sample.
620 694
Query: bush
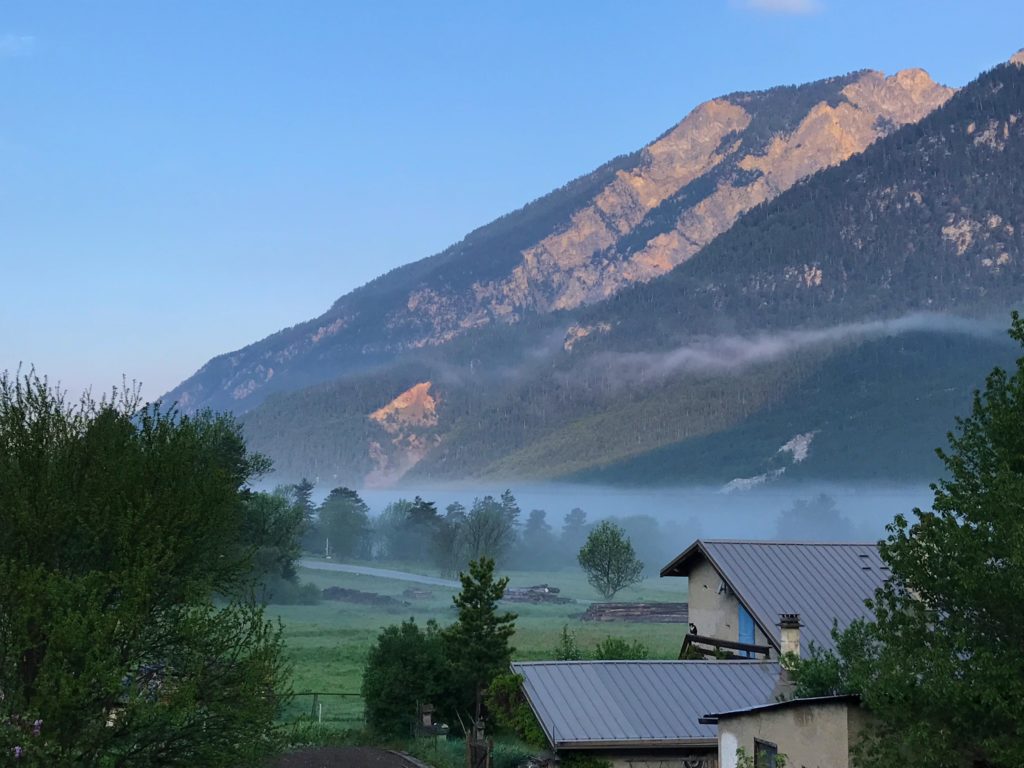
615 648
278 591
507 704
405 667
567 649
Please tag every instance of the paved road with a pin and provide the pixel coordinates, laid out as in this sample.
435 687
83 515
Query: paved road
381 573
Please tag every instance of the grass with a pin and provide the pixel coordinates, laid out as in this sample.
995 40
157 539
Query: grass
327 643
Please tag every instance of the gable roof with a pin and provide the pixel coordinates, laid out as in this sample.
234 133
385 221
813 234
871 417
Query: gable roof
823 582
602 704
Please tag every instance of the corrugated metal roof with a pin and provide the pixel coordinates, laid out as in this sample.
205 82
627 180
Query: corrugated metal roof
649 703
822 582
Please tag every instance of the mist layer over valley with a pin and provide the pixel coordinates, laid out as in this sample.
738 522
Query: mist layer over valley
662 522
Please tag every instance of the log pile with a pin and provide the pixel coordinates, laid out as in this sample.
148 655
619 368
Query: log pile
412 593
643 613
541 593
360 598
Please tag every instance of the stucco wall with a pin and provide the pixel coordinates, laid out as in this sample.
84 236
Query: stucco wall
654 760
715 613
811 736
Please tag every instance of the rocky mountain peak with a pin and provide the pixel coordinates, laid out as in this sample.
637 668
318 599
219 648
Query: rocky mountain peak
628 222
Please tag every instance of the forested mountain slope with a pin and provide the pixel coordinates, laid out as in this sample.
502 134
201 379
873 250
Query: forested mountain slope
693 369
627 222
929 218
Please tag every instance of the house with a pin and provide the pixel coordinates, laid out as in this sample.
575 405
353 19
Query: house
739 589
753 603
811 733
641 714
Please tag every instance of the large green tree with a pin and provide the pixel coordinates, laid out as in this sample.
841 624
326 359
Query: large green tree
271 530
120 525
477 644
941 664
609 560
344 524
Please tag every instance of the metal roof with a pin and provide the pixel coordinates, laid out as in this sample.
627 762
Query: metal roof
599 704
824 583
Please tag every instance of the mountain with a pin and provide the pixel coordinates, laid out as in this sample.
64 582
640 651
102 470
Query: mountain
811 338
628 222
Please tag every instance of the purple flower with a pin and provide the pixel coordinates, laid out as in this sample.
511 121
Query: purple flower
18 752
37 727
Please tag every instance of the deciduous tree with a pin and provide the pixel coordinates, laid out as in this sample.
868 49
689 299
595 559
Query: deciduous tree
120 524
609 561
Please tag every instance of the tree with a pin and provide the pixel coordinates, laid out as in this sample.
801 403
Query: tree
271 528
405 667
609 560
389 530
510 507
574 529
121 524
537 544
816 519
302 491
477 644
344 524
448 554
940 664
488 530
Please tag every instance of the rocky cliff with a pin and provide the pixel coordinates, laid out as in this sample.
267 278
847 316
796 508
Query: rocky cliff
628 222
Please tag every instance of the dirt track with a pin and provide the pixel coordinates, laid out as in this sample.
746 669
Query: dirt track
343 757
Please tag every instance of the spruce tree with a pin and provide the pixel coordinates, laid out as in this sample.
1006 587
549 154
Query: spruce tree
477 644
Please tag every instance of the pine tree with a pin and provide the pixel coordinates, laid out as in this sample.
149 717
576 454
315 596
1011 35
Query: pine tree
477 644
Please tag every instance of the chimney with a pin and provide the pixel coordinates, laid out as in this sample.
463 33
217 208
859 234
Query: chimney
789 623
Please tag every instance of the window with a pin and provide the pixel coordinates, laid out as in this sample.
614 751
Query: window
764 754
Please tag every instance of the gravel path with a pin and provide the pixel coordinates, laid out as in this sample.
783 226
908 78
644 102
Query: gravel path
381 573
344 757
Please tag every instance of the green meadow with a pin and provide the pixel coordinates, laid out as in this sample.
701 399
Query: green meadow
328 642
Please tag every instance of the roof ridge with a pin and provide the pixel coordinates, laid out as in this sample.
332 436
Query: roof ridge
566 662
792 543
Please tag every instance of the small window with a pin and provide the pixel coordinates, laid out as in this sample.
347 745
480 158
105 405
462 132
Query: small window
764 754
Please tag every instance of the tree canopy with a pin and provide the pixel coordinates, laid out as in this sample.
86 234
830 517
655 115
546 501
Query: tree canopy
120 525
609 561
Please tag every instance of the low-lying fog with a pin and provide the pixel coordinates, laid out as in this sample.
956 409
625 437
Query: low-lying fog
661 522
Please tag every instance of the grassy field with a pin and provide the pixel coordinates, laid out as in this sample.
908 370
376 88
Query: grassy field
327 643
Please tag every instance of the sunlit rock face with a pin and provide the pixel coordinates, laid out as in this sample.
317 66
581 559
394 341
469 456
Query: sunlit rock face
410 421
585 261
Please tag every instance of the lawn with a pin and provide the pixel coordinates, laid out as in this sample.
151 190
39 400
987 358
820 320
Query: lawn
327 643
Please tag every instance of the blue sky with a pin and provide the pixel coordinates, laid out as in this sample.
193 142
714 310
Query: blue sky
180 179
